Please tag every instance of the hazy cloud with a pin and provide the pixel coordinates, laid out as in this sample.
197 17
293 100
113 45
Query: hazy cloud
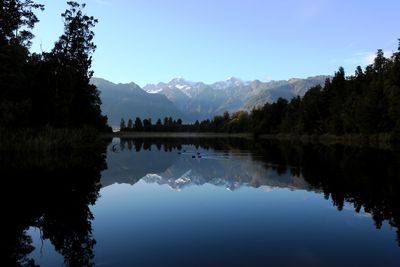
367 58
361 58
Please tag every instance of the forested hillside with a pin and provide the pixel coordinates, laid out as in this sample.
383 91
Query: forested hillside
365 103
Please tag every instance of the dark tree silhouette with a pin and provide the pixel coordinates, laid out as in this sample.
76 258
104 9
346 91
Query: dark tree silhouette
77 102
130 125
57 204
17 18
48 89
366 105
138 124
122 125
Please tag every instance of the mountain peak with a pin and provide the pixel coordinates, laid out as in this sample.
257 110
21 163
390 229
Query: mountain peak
197 100
233 79
178 79
182 85
133 85
230 82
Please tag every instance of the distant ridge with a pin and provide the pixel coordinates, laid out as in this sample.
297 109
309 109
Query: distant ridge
201 101
130 101
192 101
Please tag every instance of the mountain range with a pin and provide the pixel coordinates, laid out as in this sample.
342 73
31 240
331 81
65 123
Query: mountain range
130 101
192 101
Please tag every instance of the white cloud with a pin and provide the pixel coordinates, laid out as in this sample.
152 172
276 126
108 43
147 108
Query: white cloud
361 58
368 58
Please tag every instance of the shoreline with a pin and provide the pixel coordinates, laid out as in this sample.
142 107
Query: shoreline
377 140
177 135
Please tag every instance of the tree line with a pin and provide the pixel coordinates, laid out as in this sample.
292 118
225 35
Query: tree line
171 125
366 103
167 125
48 88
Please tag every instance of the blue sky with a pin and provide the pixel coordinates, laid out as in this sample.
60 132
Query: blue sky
148 41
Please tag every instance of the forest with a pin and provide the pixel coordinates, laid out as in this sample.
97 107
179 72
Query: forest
365 103
53 90
48 89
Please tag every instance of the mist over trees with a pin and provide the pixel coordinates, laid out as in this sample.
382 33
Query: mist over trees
50 88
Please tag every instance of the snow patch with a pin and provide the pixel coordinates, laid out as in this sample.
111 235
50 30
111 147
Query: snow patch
154 91
181 86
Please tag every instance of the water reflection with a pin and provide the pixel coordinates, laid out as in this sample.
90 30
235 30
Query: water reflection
366 177
185 164
55 193
52 193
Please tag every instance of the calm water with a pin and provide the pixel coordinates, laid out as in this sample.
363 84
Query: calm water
153 202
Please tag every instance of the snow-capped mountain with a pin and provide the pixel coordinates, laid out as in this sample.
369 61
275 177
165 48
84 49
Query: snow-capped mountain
203 101
192 101
230 82
186 87
189 88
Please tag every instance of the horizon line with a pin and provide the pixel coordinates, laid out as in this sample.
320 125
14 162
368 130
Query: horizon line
211 83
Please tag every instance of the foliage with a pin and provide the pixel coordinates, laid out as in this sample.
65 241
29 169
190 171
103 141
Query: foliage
16 20
47 89
366 104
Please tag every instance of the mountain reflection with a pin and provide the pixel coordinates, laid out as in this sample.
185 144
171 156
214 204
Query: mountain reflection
181 164
363 176
52 193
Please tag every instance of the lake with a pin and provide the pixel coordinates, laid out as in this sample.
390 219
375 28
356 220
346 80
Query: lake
203 202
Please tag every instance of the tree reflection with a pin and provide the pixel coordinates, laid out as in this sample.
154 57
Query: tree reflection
53 193
170 144
366 177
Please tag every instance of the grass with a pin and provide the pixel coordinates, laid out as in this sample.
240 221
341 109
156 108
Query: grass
47 139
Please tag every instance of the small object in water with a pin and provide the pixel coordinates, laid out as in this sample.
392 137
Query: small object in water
114 148
184 150
193 157
179 153
198 153
199 156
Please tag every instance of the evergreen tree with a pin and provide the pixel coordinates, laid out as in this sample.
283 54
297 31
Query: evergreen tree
159 126
122 125
48 89
17 18
76 102
130 125
147 125
138 125
166 124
